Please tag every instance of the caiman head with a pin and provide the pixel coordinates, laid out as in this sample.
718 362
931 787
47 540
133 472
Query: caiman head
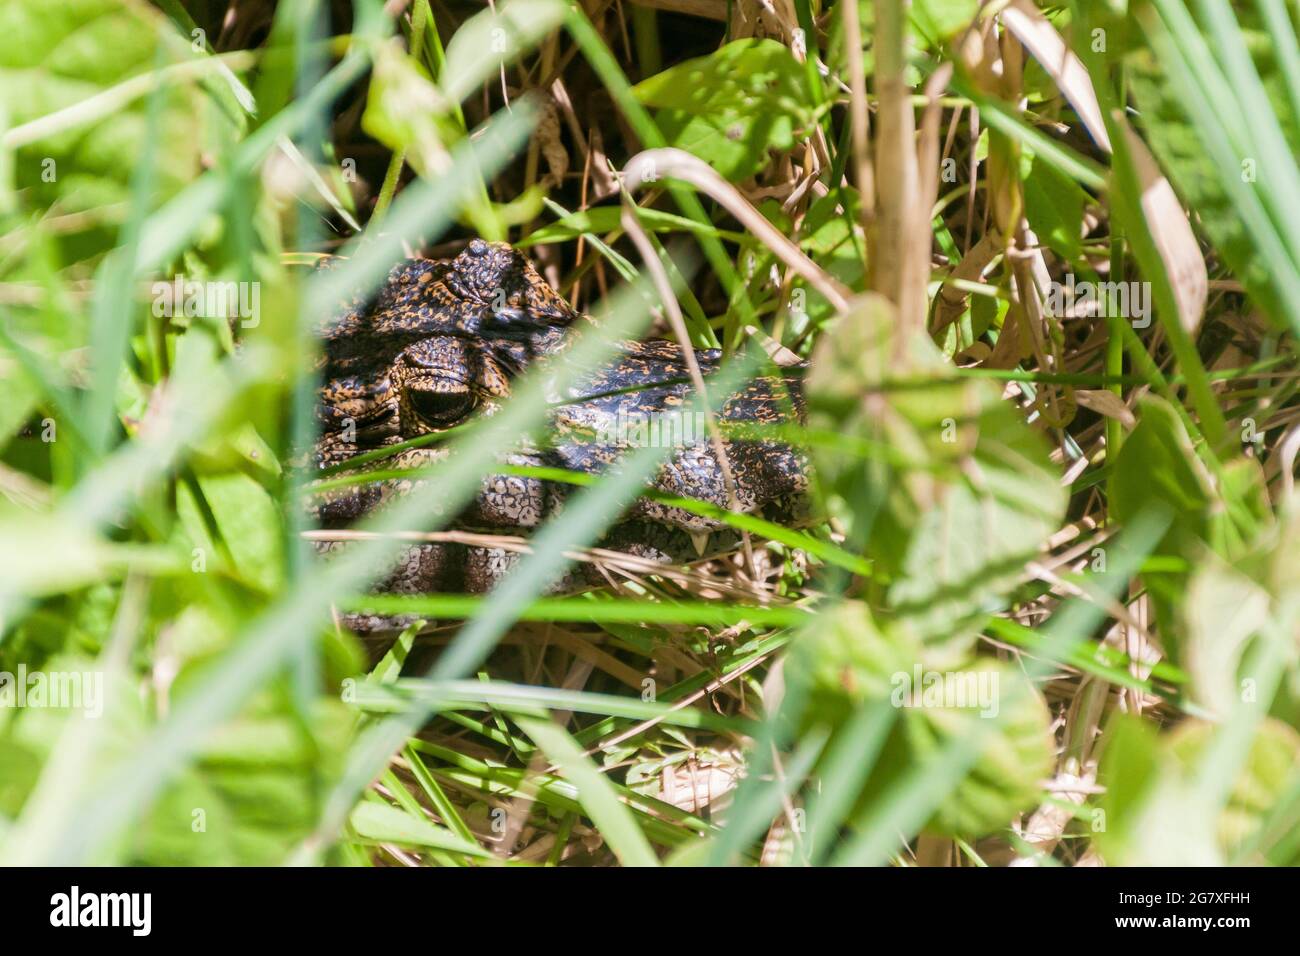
442 341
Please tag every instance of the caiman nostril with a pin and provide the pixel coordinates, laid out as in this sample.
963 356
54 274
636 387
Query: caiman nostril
440 408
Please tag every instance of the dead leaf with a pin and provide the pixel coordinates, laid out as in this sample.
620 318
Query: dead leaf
1106 403
1172 234
1047 46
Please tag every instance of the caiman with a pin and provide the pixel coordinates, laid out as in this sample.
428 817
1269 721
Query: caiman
442 341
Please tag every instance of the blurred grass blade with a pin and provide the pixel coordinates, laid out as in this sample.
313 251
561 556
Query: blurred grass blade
536 701
849 761
113 312
593 610
616 824
276 636
173 227
385 824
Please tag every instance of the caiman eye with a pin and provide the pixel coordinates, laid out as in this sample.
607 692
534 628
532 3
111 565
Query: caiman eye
440 409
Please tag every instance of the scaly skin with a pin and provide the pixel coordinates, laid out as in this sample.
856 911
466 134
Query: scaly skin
442 341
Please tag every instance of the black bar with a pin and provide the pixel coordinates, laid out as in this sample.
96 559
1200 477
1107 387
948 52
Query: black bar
501 905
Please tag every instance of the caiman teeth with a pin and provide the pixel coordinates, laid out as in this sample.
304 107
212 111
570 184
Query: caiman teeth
701 541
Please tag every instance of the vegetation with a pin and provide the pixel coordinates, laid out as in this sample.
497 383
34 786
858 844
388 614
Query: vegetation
1041 261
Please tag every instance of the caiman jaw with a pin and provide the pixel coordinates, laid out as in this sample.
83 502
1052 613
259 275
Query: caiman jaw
466 558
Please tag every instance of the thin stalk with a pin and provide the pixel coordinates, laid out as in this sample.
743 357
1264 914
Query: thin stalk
611 75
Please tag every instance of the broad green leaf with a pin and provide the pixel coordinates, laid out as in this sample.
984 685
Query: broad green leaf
1154 813
833 238
55 56
495 37
1129 763
732 106
1159 466
955 529
850 662
254 792
21 397
44 555
251 794
1269 769
847 659
1054 207
250 527
1222 611
1006 776
943 19
20 766
405 110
